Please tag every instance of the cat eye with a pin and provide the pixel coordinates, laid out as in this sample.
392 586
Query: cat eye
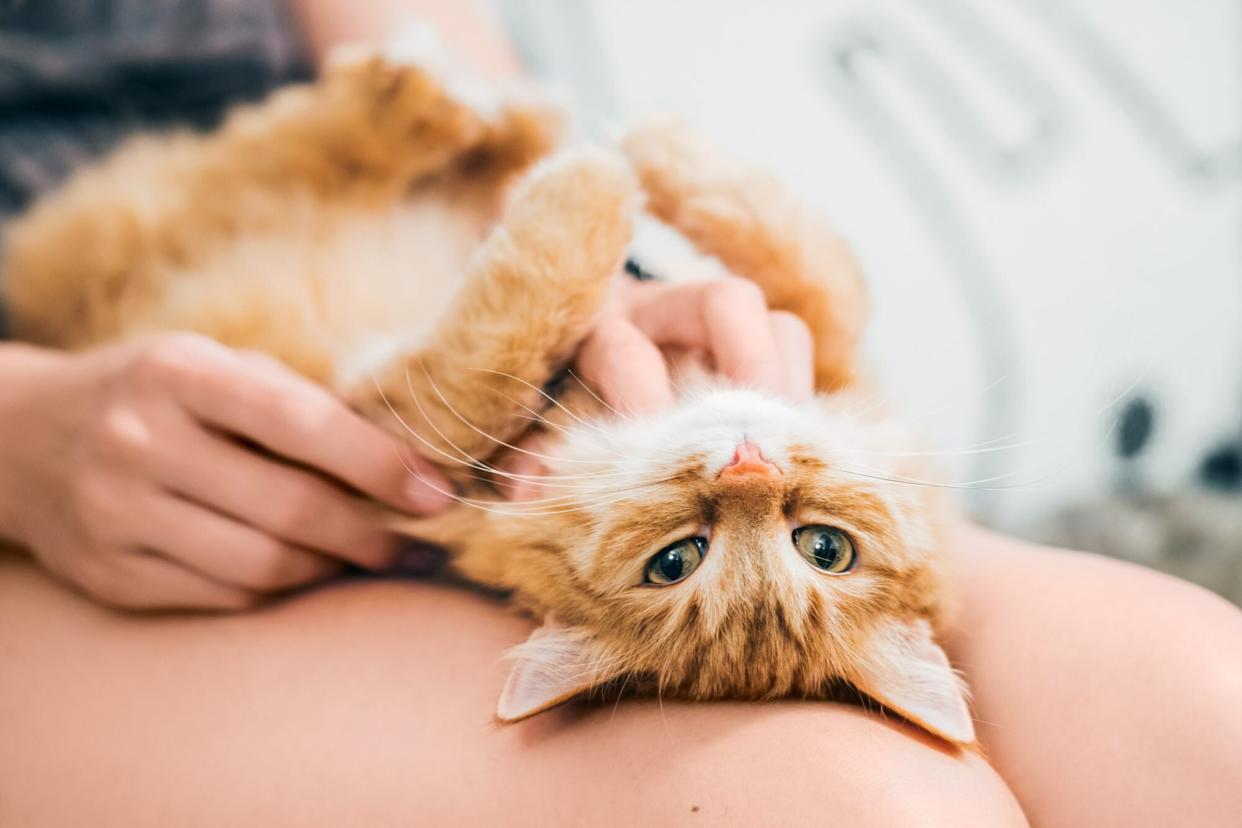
676 561
826 548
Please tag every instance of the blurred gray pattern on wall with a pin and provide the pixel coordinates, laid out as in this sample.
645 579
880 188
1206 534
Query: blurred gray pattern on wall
1047 197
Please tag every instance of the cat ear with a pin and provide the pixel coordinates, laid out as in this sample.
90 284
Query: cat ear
555 664
908 673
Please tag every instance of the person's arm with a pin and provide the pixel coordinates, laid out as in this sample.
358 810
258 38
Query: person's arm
174 472
465 26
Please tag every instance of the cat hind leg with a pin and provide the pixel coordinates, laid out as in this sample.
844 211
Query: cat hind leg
759 231
90 257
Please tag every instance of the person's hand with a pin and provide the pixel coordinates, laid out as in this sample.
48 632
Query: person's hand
724 325
176 473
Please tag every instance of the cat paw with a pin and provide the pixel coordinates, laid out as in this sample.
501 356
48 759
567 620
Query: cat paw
408 103
529 126
577 209
691 182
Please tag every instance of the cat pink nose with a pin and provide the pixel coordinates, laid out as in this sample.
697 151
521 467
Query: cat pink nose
749 460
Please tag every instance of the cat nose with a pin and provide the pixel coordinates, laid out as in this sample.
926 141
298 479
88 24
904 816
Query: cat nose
748 460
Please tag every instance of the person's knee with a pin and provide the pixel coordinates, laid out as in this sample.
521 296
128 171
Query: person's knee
955 792
1201 662
1213 682
829 764
1183 634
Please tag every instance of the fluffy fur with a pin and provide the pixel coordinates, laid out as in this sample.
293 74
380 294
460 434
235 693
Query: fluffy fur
364 230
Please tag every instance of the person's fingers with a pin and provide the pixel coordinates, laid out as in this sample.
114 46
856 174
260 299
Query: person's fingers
728 317
522 470
625 367
286 413
795 346
295 506
145 581
225 550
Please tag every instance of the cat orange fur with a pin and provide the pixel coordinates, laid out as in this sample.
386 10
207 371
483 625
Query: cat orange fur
363 230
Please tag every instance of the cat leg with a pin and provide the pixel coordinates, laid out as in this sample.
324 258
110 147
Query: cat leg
371 124
87 259
759 231
527 128
530 296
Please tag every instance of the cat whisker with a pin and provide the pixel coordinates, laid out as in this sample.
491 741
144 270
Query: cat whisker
472 464
581 505
606 500
409 384
589 390
660 707
942 452
576 417
544 480
482 433
478 466
545 395
541 478
936 484
546 508
620 693
512 479
475 464
537 417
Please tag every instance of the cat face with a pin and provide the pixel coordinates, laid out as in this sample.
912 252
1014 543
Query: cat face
740 547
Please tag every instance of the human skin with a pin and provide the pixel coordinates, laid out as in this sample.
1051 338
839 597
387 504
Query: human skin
369 703
173 472
1106 695
125 473
465 26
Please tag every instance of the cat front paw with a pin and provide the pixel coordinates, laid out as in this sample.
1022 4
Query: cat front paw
575 209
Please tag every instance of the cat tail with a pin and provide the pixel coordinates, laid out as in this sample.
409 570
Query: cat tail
759 231
530 297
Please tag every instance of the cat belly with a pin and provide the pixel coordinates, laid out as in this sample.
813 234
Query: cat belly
334 293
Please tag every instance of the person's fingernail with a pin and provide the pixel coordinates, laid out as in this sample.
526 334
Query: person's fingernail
427 496
524 465
419 558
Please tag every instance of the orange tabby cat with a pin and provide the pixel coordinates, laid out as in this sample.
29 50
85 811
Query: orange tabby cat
364 231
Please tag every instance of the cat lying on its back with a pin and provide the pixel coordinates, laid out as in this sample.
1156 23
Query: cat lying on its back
388 241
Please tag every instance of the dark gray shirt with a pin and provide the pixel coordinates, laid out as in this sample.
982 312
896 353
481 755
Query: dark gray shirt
76 76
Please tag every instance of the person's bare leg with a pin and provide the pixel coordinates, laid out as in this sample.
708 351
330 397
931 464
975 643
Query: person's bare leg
1106 694
371 704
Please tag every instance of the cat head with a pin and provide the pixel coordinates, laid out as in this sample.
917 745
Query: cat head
736 546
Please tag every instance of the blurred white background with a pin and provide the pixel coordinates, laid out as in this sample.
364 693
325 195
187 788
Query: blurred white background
1046 197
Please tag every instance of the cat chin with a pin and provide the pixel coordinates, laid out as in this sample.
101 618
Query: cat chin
707 424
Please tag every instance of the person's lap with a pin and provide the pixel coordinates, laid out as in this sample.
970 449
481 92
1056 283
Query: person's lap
1105 693
371 703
